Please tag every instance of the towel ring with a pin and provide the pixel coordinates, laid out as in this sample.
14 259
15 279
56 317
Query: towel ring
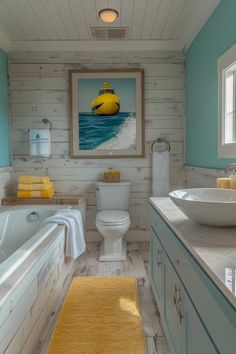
160 141
47 121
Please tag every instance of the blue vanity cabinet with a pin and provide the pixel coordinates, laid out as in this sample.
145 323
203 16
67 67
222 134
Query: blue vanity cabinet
192 319
172 308
156 266
186 332
197 339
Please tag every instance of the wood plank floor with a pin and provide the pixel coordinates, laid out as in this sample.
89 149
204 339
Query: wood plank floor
135 265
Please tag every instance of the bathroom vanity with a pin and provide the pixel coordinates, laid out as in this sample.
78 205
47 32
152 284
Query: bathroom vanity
193 271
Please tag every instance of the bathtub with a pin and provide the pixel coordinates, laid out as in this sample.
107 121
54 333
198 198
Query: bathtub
21 233
35 275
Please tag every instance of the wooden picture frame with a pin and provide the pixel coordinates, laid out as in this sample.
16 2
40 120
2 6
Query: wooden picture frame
106 111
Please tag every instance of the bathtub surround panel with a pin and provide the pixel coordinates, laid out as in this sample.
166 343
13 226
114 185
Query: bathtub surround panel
14 333
217 36
37 297
39 89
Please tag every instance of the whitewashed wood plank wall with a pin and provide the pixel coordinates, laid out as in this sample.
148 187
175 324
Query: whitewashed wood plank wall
196 177
39 89
5 178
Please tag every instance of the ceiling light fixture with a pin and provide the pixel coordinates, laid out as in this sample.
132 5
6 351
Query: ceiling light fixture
108 15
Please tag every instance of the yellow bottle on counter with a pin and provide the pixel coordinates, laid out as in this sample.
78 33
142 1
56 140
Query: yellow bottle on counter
224 183
232 181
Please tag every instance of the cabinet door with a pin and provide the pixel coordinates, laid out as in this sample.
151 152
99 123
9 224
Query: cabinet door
185 330
156 266
172 308
196 337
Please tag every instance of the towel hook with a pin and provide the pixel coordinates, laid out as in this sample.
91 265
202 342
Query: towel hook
160 141
47 121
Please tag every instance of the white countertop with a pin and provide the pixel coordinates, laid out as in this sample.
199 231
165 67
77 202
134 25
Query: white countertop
213 247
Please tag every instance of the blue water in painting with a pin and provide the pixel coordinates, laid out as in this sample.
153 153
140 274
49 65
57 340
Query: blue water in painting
95 130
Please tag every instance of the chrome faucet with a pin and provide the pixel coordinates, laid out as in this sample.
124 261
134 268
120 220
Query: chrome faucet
231 167
34 215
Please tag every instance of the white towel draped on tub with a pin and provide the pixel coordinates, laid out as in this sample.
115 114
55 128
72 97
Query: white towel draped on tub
72 219
160 174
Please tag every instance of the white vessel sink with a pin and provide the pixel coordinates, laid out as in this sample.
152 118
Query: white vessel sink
208 206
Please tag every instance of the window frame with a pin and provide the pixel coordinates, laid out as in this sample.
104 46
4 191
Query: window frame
224 63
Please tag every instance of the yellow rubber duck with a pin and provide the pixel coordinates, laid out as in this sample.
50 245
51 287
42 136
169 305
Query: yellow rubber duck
107 103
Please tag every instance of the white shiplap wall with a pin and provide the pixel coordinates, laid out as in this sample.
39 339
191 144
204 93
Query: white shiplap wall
5 177
200 177
39 89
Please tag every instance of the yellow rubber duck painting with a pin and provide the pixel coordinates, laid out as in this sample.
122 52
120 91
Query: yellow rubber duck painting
107 103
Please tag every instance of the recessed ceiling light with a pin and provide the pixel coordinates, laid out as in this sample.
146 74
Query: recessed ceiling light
108 15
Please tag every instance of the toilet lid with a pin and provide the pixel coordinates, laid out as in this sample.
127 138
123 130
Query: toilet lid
113 217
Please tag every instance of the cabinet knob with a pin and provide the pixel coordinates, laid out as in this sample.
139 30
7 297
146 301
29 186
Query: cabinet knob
177 302
178 310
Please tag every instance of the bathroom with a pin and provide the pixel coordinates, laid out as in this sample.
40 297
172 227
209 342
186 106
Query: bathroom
176 51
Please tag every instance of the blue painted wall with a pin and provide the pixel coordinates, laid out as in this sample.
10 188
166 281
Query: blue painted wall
4 114
217 36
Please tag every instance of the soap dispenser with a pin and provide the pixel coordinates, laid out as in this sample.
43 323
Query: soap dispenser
223 183
233 180
230 182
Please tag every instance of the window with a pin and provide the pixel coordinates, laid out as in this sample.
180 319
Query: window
227 104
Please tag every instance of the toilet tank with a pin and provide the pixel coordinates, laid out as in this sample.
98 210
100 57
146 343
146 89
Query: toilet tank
112 196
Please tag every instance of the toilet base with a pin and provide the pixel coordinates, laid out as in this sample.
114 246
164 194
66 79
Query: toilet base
113 252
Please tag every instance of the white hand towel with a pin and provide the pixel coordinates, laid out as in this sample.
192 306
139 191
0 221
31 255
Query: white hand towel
160 174
33 143
75 243
40 142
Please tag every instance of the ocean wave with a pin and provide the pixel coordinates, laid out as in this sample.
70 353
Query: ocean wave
125 139
95 131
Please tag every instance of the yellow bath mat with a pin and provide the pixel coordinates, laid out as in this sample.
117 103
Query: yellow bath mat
101 315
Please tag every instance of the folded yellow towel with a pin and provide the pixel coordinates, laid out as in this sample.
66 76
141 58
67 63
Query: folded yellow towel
35 186
33 179
35 194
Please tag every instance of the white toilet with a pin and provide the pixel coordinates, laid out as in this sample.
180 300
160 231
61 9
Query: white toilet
113 221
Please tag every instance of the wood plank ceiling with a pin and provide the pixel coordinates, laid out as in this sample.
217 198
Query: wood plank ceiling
43 20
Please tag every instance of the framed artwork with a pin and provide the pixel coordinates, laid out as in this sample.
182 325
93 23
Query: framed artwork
106 113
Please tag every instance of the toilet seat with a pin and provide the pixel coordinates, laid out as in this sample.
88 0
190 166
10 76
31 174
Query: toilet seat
112 217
